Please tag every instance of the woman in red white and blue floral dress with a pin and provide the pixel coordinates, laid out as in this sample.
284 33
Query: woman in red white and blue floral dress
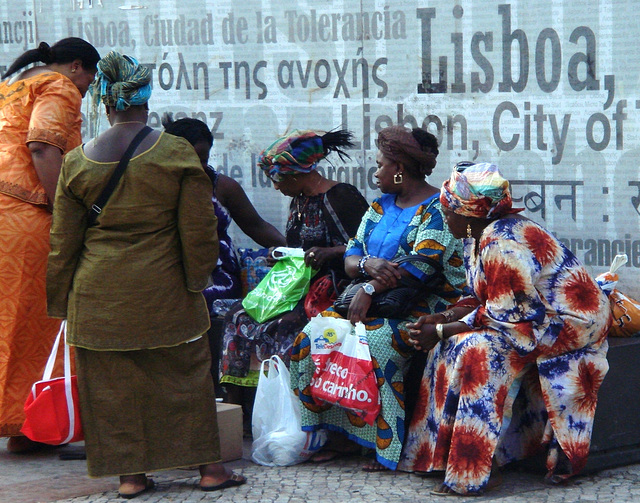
517 369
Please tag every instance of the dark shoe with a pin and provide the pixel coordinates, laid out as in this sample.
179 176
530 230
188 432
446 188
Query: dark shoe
24 445
73 454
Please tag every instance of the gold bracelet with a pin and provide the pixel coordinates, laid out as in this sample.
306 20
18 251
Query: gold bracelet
440 331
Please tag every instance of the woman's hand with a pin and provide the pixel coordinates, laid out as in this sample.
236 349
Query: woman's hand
384 271
271 261
359 307
422 333
317 256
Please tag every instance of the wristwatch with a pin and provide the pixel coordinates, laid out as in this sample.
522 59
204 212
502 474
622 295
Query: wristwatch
368 288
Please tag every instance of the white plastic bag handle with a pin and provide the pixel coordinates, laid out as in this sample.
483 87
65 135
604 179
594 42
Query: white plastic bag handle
618 262
276 367
283 251
48 370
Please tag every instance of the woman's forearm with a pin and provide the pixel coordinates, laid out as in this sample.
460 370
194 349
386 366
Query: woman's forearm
47 160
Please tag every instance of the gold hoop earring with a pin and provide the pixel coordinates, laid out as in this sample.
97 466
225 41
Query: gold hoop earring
397 178
469 235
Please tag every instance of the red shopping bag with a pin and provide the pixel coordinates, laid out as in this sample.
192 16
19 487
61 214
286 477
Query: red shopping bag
52 411
344 373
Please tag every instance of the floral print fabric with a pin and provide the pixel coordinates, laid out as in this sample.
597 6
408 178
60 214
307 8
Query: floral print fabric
225 279
528 372
322 220
426 233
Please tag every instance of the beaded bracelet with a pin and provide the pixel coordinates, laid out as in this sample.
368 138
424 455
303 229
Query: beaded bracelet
361 264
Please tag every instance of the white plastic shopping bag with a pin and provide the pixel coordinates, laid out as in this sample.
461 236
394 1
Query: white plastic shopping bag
278 439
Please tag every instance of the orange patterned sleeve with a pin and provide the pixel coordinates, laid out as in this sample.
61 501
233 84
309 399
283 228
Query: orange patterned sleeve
56 118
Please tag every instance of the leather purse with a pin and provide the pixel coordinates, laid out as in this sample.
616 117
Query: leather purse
396 302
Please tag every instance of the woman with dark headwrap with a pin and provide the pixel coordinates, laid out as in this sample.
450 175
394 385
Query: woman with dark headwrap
406 220
324 214
39 122
520 370
130 286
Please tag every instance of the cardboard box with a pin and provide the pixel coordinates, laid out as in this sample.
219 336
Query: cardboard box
230 427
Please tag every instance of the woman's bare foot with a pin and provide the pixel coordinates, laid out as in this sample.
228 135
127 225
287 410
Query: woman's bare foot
335 449
374 466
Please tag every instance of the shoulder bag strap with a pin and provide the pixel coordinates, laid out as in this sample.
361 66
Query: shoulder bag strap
334 217
420 258
96 208
437 266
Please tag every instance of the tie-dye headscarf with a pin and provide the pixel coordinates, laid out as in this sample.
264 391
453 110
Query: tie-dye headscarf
300 151
478 191
121 82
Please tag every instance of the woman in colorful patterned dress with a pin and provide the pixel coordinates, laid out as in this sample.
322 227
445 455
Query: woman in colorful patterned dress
324 214
406 220
40 121
520 370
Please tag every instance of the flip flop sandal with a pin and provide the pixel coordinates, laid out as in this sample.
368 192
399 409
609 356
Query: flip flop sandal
233 481
149 484
440 491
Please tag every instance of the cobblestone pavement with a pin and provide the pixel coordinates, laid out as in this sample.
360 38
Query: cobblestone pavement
43 477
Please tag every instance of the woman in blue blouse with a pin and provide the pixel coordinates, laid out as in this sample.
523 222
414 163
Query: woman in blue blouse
406 220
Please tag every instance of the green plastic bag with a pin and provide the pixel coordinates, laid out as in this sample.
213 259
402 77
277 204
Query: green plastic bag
282 288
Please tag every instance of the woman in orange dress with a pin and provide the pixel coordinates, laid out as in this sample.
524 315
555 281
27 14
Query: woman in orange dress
39 122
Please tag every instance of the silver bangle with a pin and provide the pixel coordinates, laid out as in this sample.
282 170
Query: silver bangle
440 331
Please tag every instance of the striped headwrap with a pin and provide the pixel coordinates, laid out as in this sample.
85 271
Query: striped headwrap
300 151
121 82
478 191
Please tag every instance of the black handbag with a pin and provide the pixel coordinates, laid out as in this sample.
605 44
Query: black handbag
396 302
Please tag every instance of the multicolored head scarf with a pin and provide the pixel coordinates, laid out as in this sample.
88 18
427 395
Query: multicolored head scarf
398 144
478 191
300 151
121 82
